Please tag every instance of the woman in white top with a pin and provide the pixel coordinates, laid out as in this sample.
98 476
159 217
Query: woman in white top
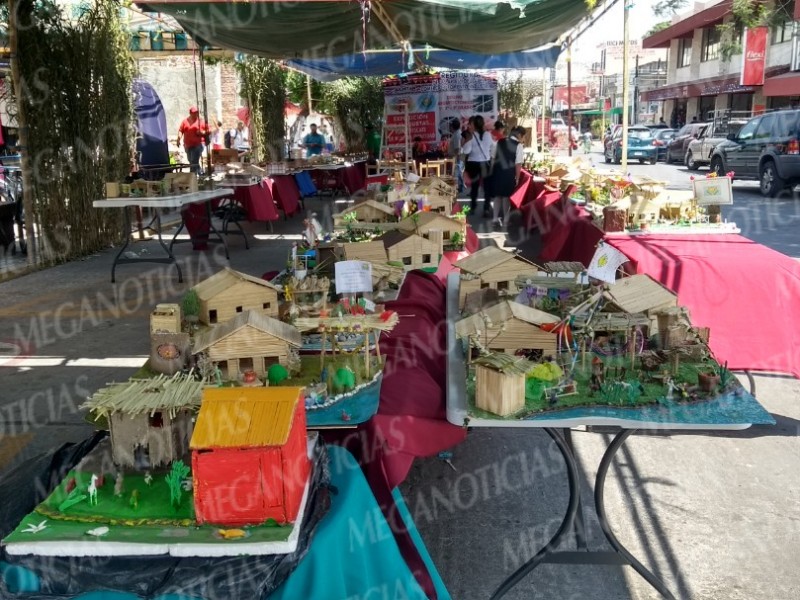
478 150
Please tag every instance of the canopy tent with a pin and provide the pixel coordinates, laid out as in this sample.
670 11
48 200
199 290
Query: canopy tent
617 110
392 62
313 29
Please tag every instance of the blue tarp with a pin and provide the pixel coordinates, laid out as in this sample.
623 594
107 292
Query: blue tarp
396 62
151 139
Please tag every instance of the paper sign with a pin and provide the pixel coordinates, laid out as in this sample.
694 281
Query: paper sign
716 190
353 276
369 305
605 262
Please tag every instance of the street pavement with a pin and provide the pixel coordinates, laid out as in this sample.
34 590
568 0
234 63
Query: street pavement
715 515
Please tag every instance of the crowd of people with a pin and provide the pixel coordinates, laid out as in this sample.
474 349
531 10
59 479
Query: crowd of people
195 137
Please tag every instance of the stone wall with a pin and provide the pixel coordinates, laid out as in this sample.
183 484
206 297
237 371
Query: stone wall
173 78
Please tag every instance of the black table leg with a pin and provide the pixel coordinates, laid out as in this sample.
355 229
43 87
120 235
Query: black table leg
120 259
550 553
126 236
212 229
168 250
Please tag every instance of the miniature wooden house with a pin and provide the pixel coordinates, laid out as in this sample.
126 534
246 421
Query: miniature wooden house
150 420
493 268
639 294
145 189
251 341
249 456
413 251
374 253
368 211
511 326
422 223
500 383
228 293
181 183
165 318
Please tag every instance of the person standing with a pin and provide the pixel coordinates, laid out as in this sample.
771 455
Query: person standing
498 131
478 150
507 162
454 151
217 137
193 131
240 137
313 142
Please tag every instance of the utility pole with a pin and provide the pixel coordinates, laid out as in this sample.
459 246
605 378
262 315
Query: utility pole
569 96
625 84
636 91
544 107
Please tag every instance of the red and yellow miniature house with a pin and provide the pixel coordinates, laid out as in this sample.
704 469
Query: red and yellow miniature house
249 455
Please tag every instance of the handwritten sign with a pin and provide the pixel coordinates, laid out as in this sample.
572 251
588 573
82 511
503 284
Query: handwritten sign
353 276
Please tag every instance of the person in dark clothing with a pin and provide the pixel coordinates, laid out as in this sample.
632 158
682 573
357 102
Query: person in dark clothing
478 150
506 168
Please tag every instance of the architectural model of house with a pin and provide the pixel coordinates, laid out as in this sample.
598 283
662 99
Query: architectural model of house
493 268
228 293
424 222
639 294
368 211
500 383
251 341
413 251
150 420
249 455
510 326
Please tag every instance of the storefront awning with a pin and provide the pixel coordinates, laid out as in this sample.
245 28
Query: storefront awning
395 62
685 28
318 29
787 84
617 110
706 87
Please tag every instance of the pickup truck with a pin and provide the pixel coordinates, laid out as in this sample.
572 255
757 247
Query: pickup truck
699 152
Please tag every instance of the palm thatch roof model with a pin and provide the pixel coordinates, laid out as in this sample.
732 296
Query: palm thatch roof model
140 396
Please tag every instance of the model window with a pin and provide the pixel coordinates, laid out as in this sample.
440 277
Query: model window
407 260
426 258
746 132
212 316
684 52
502 285
156 420
266 305
238 309
710 47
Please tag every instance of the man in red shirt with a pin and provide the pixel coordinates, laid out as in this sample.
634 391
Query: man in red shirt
193 130
499 131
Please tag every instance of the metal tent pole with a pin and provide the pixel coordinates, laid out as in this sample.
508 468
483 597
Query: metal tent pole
625 86
205 109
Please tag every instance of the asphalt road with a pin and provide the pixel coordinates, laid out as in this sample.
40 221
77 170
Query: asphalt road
716 515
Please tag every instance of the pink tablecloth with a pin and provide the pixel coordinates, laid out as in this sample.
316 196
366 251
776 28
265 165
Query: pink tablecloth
746 293
286 194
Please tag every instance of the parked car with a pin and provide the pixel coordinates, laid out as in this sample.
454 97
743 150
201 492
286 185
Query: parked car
641 146
662 137
699 151
676 149
766 148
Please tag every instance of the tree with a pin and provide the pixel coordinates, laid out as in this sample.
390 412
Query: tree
190 304
277 374
516 95
657 27
264 88
667 8
355 102
174 480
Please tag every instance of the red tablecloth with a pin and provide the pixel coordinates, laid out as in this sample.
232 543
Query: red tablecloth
258 201
746 293
286 193
354 177
527 190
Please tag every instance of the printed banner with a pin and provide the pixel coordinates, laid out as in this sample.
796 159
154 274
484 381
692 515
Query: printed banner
435 100
754 56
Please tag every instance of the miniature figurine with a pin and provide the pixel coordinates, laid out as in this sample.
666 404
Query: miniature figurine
148 478
118 484
98 531
345 416
92 490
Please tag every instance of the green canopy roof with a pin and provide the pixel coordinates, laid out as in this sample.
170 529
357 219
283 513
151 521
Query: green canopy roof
324 28
617 110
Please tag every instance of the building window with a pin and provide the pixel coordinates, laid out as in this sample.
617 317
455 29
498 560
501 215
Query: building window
782 32
426 258
266 306
156 420
502 285
212 316
684 52
406 260
710 47
238 309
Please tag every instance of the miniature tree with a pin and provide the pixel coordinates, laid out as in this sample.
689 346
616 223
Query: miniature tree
191 306
276 374
174 480
346 379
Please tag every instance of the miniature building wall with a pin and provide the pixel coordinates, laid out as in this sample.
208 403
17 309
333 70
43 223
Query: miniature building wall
519 335
248 349
415 252
499 393
149 440
237 486
241 296
165 318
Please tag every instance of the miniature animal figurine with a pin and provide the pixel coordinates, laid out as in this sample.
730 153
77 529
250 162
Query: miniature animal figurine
92 490
98 531
187 484
118 484
134 500
231 534
148 478
345 416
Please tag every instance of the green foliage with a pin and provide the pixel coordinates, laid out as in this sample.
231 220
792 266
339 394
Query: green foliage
174 479
277 374
658 27
75 86
516 94
456 239
748 14
190 304
75 497
355 102
297 91
597 128
264 88
345 379
667 8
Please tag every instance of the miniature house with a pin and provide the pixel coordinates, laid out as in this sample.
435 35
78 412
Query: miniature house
165 318
493 268
250 341
422 223
500 383
150 420
375 254
368 211
511 326
639 294
413 251
249 456
228 293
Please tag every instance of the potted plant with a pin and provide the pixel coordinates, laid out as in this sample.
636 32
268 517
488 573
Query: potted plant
708 378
